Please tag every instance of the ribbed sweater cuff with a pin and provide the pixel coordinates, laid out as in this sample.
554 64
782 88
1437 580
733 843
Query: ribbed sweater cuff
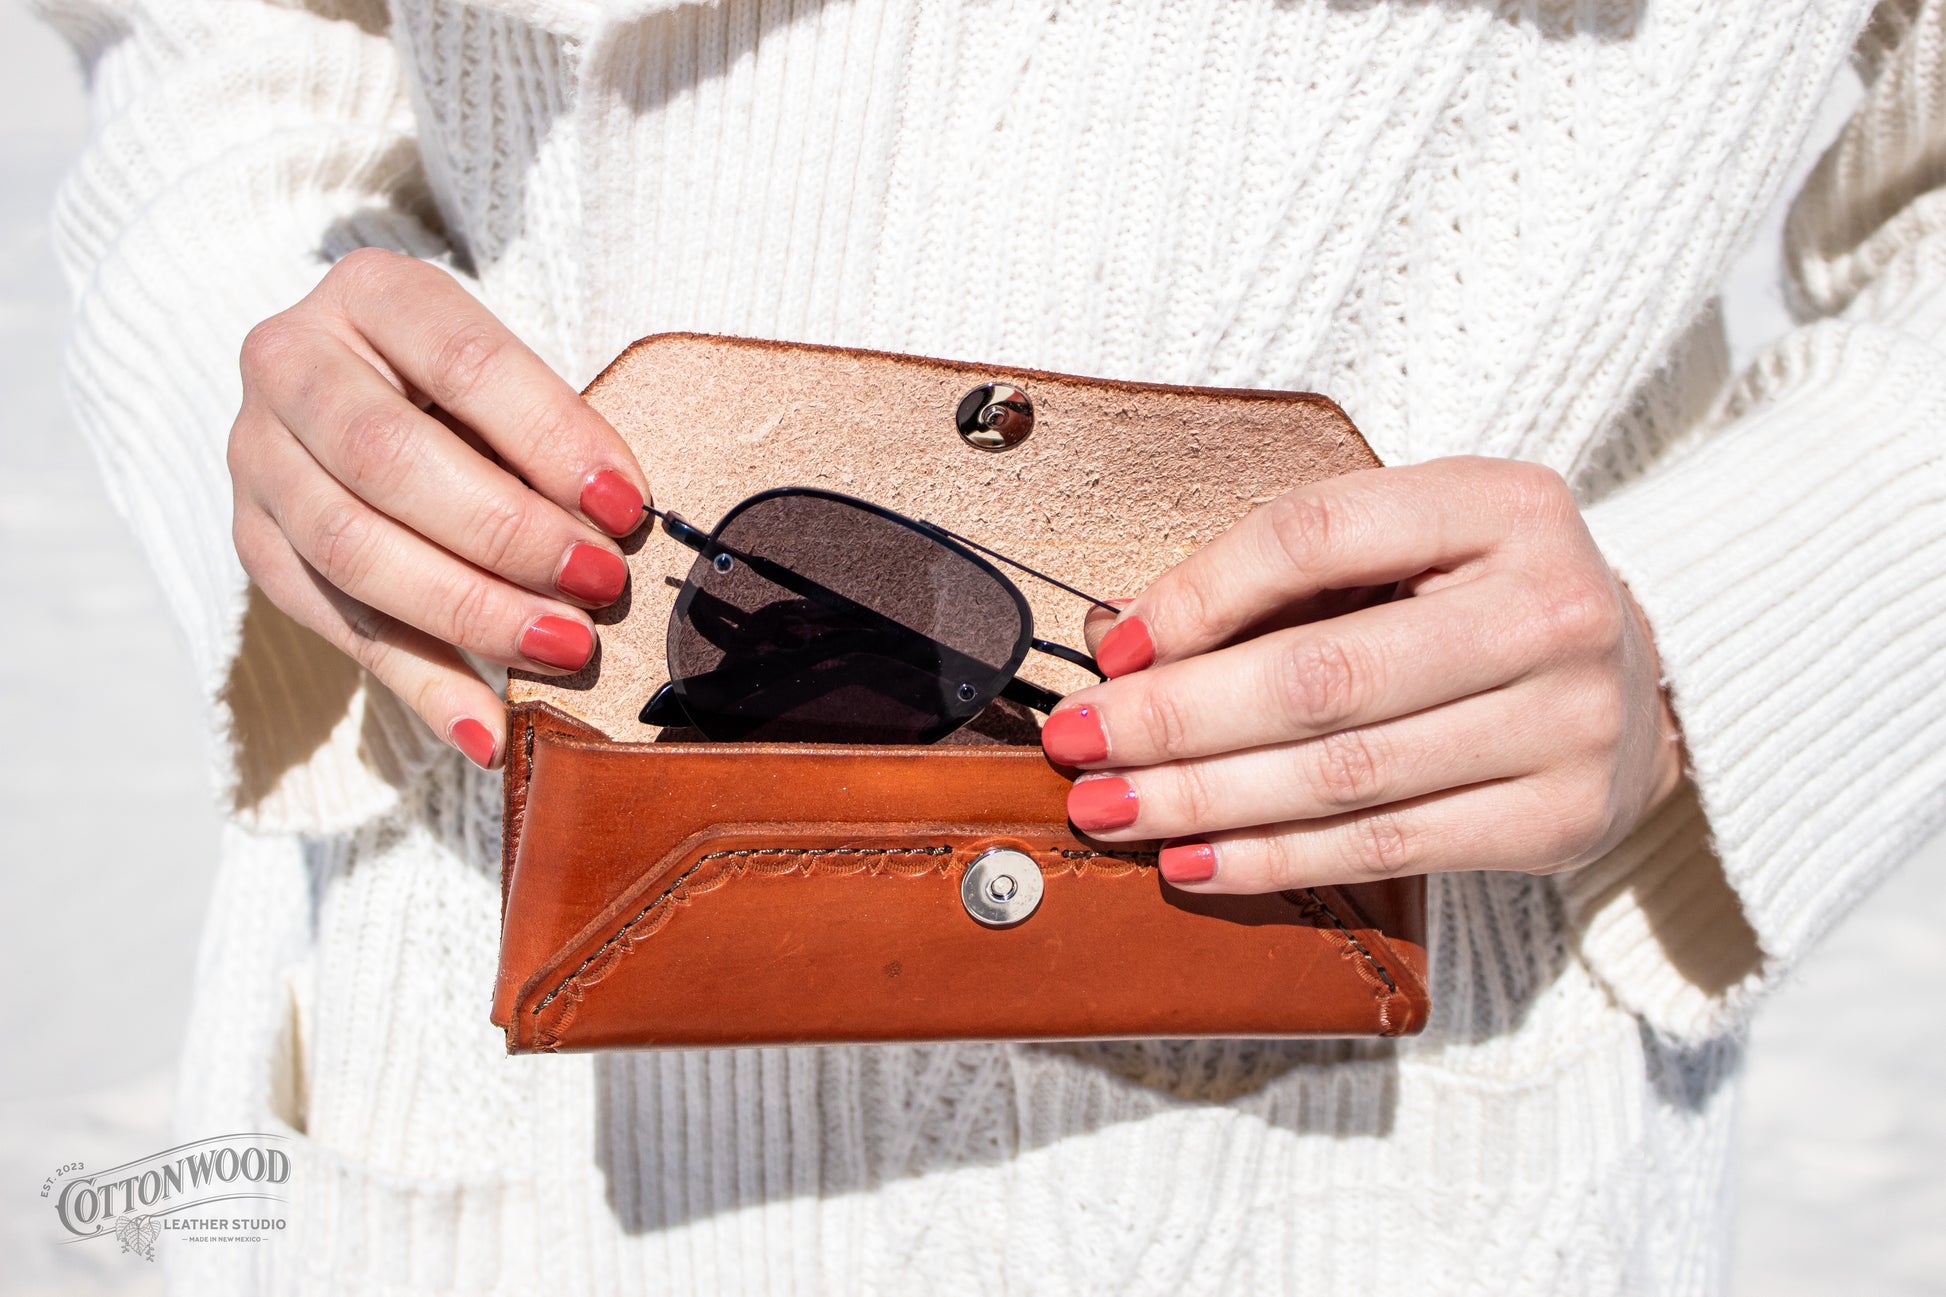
1793 566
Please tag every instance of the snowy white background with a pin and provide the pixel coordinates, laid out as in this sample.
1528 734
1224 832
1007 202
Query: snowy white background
108 840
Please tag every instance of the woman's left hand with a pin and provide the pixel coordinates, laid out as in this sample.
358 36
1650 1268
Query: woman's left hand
1502 712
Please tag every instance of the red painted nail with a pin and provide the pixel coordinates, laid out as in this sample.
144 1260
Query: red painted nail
1099 804
474 739
1125 648
1073 736
592 574
559 642
612 503
1188 862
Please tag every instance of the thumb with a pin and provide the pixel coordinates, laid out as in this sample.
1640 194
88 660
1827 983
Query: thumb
1099 622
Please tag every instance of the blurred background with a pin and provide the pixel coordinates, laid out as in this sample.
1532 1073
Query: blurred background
109 838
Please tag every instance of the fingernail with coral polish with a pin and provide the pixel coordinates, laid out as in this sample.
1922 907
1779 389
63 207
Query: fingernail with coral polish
1125 648
474 739
612 502
559 642
1073 736
1188 862
592 574
1097 805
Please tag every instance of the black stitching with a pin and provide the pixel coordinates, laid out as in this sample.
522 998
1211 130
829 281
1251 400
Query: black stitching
1351 937
700 861
1132 857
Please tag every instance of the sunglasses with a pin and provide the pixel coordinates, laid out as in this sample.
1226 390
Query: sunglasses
809 616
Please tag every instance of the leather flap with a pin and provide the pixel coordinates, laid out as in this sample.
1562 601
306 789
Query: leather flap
708 417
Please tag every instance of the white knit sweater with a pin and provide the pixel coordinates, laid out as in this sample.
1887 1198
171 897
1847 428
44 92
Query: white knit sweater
1482 225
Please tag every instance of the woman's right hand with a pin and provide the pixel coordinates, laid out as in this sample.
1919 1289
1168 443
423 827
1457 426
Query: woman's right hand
401 538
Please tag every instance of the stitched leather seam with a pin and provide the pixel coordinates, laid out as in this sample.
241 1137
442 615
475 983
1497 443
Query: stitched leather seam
1133 857
1310 899
684 877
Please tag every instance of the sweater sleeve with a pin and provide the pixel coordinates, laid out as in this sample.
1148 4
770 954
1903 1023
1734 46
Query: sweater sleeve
1791 559
237 148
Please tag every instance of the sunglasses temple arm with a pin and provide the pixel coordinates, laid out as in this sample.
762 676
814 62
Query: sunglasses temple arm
1021 567
679 530
1067 654
1029 694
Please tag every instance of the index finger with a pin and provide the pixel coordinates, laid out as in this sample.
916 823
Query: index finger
436 336
1369 528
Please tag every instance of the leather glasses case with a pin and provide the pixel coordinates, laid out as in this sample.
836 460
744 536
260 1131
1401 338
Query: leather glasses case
664 892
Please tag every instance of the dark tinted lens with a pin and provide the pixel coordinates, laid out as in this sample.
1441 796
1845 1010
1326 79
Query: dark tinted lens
816 619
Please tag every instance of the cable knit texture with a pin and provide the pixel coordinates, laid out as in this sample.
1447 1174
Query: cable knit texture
1491 226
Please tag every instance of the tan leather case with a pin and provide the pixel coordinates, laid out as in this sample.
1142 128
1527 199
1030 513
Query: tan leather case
668 893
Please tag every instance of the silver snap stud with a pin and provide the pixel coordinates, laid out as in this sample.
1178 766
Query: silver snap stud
723 563
994 416
1001 887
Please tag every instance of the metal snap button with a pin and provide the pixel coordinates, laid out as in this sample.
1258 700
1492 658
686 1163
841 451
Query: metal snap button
1001 887
995 416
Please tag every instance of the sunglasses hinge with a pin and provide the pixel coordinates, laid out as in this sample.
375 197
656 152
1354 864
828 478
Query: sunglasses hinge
679 529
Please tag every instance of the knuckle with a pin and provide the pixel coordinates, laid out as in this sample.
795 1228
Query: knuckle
365 269
1601 718
1381 846
268 344
378 446
243 540
235 451
340 544
464 359
1321 683
248 453
1197 799
1540 481
1303 526
1578 823
556 436
476 615
497 531
1347 770
1581 612
428 697
1190 604
1162 719
1284 866
1535 492
255 538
